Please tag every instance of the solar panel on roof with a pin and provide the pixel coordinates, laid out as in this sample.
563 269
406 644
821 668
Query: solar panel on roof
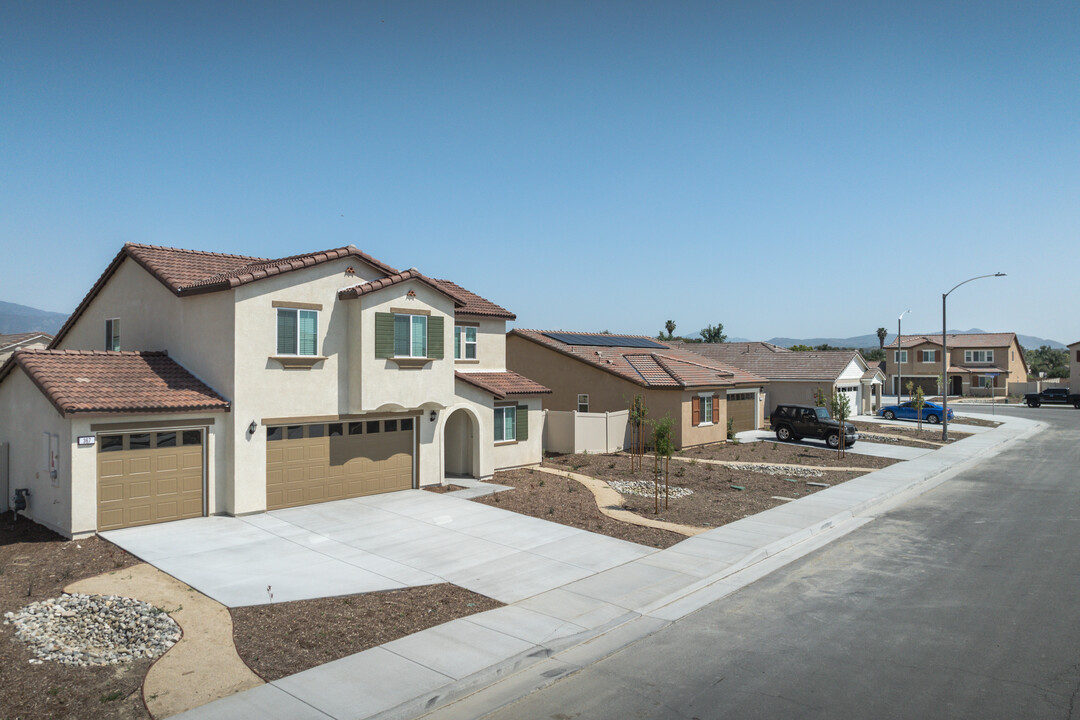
604 340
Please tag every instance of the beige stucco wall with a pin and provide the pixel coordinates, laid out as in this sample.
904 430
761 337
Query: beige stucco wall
196 331
490 344
25 417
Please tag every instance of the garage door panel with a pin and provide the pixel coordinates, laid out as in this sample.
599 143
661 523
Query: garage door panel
741 410
149 484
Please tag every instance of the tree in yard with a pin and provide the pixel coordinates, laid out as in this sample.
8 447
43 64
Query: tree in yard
882 333
1055 363
918 400
873 354
801 348
821 398
663 449
670 327
638 413
714 334
840 409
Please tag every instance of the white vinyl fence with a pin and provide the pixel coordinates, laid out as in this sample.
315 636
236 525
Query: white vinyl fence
575 432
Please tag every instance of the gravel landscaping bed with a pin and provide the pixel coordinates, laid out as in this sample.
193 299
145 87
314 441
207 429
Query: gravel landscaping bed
786 453
568 502
716 498
35 565
908 431
281 639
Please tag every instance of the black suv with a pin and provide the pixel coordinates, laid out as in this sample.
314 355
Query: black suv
794 422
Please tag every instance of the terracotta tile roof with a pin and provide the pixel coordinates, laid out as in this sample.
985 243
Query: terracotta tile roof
667 367
977 369
190 272
395 279
474 304
501 384
8 341
777 363
100 382
959 340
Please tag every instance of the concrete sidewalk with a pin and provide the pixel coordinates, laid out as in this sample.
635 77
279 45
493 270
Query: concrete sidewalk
472 666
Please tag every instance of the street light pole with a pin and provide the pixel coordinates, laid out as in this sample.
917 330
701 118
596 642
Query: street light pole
945 358
899 365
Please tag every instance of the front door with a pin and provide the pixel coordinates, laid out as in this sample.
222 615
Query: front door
956 385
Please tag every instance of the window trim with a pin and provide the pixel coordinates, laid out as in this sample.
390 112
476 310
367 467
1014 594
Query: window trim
112 331
705 409
462 342
297 345
504 410
970 356
412 331
584 402
900 357
928 356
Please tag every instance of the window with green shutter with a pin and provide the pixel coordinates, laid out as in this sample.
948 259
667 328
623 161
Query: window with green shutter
402 335
505 424
297 332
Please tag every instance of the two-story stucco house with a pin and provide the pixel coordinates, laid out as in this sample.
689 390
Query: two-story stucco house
189 383
979 363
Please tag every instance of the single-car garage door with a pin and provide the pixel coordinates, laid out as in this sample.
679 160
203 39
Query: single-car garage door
851 392
149 477
741 410
314 463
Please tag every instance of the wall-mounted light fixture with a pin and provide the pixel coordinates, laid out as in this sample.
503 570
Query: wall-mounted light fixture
433 415
252 428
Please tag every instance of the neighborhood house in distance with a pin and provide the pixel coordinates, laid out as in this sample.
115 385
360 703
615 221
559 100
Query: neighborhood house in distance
979 364
193 383
794 377
597 373
22 341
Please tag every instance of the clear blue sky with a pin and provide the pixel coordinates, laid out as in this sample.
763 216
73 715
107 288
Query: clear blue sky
796 169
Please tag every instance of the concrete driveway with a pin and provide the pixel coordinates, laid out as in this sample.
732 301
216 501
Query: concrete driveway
373 543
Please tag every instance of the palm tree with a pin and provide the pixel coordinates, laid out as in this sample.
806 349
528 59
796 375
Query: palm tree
882 333
670 327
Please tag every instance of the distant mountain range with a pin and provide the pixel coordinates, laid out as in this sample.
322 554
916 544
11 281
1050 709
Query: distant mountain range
22 319
871 341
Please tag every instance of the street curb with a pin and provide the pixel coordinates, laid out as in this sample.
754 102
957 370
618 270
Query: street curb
595 645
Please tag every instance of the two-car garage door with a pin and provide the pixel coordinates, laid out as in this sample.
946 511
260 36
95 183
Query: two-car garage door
317 462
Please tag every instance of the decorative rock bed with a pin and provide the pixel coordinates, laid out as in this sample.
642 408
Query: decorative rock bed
645 488
93 629
777 470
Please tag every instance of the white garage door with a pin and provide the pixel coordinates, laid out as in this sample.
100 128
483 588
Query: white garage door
852 394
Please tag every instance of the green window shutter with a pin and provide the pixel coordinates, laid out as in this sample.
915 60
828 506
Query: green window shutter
435 340
384 335
522 422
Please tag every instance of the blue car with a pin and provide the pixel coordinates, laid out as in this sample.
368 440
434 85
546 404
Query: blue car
931 412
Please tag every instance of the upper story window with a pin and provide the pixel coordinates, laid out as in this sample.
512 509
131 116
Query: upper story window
928 356
464 342
583 403
410 335
979 356
297 331
112 334
900 356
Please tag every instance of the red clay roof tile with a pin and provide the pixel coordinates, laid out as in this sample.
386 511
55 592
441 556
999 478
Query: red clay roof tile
410 274
669 367
100 382
474 304
502 383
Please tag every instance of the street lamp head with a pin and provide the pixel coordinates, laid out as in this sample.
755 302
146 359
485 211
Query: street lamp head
1000 274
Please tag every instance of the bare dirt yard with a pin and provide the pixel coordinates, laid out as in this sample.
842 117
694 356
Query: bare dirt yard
566 501
718 494
281 639
36 564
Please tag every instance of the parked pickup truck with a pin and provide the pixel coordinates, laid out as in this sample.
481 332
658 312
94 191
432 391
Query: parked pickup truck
1052 396
794 422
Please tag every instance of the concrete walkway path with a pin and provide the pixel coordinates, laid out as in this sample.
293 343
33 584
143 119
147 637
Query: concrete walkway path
469 667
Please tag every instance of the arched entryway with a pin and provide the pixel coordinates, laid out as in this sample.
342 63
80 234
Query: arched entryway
461 448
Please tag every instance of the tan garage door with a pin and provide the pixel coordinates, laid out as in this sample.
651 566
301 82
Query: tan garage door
740 408
332 461
149 477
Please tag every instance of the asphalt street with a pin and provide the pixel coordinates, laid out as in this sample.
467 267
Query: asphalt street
960 604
